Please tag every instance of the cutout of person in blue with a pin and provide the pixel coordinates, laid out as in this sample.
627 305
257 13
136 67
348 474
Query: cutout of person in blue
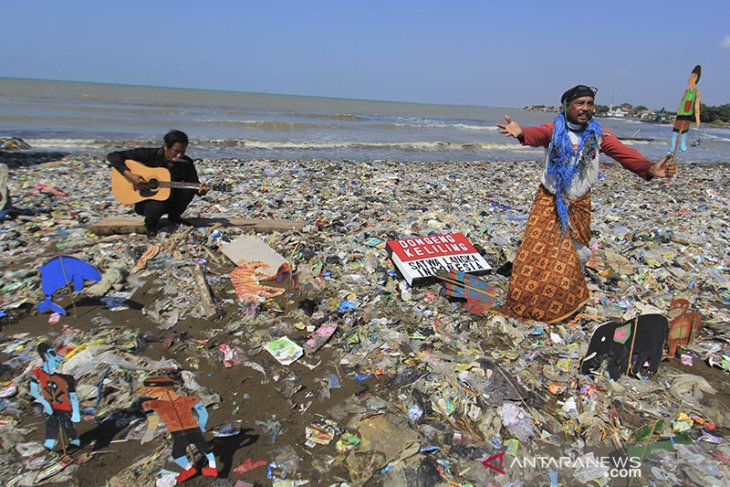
57 394
688 111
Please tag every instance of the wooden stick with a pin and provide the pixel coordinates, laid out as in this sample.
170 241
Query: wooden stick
204 291
63 439
68 285
676 146
532 411
633 340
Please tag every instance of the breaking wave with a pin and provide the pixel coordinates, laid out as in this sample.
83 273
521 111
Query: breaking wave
489 128
293 125
271 124
77 144
418 146
461 126
333 116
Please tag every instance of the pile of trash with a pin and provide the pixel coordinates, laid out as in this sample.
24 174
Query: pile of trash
319 365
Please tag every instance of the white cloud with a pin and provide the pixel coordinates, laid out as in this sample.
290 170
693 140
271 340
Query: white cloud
725 42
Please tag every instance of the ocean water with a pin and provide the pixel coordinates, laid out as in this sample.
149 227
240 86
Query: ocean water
95 118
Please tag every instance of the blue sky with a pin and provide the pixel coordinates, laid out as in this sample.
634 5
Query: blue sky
510 53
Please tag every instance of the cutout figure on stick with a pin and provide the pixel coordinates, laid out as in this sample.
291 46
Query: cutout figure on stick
5 204
480 297
185 417
246 281
57 394
689 109
60 272
683 327
626 347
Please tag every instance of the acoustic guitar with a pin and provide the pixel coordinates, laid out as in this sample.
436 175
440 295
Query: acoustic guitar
157 184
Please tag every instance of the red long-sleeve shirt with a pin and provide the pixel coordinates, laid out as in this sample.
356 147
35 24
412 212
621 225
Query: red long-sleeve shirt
629 158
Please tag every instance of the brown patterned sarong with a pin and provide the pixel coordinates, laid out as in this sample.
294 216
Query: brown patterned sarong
547 281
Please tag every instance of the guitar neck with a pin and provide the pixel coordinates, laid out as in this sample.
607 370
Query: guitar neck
177 184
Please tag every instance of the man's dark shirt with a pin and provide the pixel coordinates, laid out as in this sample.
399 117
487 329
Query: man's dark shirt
155 157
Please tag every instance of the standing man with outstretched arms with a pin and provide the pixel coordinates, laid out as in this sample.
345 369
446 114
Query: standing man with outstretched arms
547 282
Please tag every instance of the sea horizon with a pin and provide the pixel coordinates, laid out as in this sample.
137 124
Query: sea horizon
214 90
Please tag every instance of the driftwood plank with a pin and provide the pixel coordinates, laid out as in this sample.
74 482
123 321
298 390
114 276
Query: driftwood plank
135 224
206 299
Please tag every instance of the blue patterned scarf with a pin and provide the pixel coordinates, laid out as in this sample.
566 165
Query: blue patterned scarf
565 161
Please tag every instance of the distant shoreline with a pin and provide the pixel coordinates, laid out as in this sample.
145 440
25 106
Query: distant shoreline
668 116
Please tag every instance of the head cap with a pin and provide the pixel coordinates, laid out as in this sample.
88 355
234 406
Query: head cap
578 92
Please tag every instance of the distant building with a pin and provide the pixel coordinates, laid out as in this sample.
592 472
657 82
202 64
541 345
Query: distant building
541 108
617 113
660 117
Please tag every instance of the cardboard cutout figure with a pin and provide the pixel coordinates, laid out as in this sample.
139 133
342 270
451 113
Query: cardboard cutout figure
285 277
689 109
185 418
627 346
60 272
5 204
683 326
478 294
246 281
57 395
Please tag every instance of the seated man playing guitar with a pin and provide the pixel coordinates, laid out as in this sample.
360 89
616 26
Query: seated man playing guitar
170 156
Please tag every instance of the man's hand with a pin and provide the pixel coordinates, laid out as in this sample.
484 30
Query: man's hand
135 179
203 189
511 128
665 168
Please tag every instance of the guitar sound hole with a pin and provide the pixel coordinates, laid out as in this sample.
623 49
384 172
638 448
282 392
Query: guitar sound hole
153 184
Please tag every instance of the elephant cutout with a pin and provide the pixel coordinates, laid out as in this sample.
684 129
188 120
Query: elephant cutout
627 347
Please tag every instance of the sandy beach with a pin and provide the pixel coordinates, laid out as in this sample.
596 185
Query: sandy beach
396 351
